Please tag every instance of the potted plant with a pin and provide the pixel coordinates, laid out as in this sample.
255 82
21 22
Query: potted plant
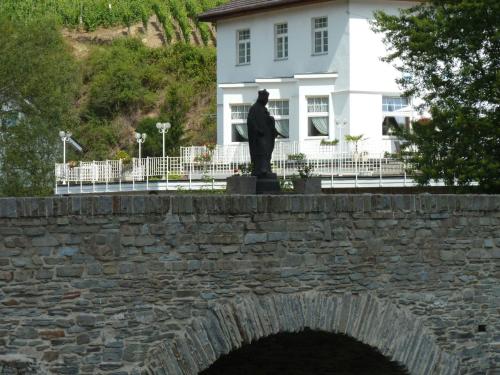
355 139
242 182
126 160
306 182
332 142
72 163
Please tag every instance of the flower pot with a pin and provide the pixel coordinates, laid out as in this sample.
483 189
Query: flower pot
311 185
241 185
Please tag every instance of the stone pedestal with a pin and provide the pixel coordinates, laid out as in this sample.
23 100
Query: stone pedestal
268 185
310 185
241 185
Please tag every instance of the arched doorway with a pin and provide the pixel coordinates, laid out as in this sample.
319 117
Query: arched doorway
305 353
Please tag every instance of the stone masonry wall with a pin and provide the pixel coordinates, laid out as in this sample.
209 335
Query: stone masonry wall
114 284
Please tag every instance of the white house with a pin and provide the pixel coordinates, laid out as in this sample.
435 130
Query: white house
321 63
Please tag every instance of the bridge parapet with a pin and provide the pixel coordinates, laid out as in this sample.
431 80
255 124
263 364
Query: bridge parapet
131 284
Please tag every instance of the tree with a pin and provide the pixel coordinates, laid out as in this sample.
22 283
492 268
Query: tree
448 52
39 80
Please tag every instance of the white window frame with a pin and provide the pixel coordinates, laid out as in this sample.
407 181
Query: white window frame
316 111
246 44
281 112
240 119
388 109
323 36
281 37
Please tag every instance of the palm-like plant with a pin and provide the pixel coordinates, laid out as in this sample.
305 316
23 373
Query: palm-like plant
354 139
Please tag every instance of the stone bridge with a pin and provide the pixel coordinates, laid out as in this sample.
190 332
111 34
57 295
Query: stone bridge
167 284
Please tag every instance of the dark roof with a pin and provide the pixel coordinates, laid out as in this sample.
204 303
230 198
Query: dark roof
241 7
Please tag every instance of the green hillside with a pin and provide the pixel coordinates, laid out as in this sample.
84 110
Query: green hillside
100 91
91 14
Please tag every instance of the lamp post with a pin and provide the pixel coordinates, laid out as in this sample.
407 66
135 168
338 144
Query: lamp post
65 136
140 138
340 125
163 128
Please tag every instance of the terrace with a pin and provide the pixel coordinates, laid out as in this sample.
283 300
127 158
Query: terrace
199 167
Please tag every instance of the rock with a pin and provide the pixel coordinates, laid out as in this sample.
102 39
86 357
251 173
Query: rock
45 241
69 271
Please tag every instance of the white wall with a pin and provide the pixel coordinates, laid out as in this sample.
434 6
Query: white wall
300 58
355 53
368 72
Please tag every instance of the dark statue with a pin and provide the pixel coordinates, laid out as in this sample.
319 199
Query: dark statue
261 136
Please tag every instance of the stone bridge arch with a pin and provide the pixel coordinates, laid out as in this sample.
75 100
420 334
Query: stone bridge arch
226 326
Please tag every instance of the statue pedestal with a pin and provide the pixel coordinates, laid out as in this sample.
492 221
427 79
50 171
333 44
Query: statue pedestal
268 185
242 185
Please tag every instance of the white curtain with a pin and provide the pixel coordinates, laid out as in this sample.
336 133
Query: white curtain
283 128
321 124
242 131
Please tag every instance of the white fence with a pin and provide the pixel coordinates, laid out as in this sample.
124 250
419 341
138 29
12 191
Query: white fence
201 164
235 154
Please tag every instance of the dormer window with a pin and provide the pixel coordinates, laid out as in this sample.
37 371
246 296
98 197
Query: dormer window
243 46
281 41
320 35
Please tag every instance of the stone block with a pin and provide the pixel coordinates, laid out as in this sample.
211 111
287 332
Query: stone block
112 355
86 320
267 186
145 240
103 205
68 251
94 269
50 356
28 333
8 207
46 241
307 185
242 185
155 250
252 238
48 335
44 274
69 271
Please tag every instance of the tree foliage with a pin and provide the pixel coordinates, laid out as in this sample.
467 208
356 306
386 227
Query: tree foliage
39 81
128 81
101 99
449 54
121 79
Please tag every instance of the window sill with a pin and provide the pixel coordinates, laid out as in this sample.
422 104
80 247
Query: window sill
245 64
319 54
315 137
282 59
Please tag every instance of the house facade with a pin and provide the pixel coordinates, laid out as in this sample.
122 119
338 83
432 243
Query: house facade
321 63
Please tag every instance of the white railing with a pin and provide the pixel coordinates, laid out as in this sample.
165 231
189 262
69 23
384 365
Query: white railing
95 171
237 154
327 164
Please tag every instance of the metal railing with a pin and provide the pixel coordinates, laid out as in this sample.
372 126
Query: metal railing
209 168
